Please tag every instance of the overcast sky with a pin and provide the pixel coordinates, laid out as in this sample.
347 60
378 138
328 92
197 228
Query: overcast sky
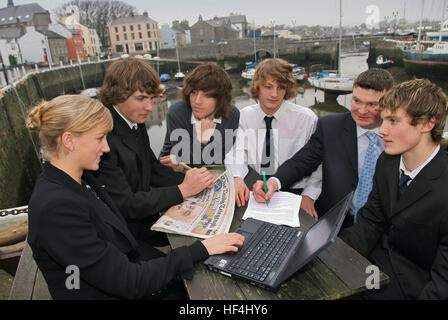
289 12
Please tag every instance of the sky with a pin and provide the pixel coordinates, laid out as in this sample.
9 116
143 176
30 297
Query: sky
289 12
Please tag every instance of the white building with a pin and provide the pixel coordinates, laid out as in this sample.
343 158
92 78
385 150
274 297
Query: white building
34 45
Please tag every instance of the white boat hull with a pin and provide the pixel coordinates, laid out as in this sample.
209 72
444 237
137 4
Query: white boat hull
332 84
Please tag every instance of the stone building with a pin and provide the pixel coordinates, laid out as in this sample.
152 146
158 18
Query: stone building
212 31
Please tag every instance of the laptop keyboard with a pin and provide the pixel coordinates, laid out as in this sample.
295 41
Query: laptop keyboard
264 253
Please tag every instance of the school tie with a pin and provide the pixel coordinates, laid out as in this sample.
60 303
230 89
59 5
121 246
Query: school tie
367 171
267 161
403 183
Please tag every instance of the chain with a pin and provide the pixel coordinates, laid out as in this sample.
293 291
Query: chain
13 212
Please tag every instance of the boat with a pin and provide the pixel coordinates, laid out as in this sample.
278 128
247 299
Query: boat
165 77
334 81
432 61
179 76
384 62
442 35
248 73
13 231
298 72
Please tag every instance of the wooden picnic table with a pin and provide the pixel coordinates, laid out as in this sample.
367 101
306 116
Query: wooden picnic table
338 272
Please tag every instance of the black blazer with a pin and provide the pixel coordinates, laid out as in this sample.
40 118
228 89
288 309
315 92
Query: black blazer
335 145
179 117
413 229
68 225
139 184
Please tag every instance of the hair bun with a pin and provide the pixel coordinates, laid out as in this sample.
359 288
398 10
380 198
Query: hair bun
33 121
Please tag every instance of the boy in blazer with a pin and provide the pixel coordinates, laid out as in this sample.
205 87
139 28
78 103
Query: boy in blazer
132 175
403 227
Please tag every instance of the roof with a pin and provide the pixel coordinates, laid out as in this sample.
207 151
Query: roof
217 22
24 12
132 19
50 34
238 19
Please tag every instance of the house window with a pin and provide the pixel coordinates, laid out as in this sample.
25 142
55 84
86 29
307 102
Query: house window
118 37
140 35
124 28
132 28
132 36
119 48
139 46
116 29
139 27
149 34
125 36
201 32
147 26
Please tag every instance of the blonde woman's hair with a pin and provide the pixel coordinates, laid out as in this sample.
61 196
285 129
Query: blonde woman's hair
67 113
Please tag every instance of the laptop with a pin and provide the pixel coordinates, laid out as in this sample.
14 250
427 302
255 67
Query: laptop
272 253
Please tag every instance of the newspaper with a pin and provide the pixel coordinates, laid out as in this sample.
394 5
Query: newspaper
204 215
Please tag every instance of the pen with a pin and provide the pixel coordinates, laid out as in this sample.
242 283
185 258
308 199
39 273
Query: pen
184 166
265 185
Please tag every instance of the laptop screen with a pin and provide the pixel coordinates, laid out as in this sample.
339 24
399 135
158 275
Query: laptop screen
319 236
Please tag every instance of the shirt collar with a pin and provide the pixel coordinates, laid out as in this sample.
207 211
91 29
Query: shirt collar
278 114
412 174
215 120
360 131
130 124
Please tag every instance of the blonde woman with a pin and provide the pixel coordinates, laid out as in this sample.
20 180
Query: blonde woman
74 225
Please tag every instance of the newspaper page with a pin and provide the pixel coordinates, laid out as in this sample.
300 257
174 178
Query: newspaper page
204 215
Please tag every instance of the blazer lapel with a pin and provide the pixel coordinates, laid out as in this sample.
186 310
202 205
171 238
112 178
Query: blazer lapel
421 185
122 129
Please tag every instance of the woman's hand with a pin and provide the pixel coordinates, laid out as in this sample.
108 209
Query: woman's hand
223 243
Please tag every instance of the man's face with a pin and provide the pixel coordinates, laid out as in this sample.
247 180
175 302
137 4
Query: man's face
363 109
202 105
270 96
399 135
137 107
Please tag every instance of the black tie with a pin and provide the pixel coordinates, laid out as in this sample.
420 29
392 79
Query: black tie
266 160
403 183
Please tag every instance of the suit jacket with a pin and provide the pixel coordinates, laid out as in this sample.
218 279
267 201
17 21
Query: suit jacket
179 117
334 145
69 225
139 184
413 230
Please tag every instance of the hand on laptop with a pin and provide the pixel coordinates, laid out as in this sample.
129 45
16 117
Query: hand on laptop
223 243
258 190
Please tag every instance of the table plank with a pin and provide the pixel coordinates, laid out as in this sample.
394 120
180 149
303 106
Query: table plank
23 285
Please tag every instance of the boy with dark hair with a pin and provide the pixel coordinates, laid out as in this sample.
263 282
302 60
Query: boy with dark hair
346 145
138 183
403 227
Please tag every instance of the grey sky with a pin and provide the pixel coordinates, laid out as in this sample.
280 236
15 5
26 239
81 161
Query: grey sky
308 12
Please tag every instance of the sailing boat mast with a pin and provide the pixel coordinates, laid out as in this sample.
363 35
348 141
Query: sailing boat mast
340 37
177 54
420 27
443 19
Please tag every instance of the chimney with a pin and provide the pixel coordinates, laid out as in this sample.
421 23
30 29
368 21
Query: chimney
145 14
10 4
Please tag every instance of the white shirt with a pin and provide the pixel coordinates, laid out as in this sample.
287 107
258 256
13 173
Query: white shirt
412 174
292 128
131 125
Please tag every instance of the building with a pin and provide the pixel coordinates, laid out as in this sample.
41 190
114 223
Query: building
134 34
239 24
91 41
9 45
28 15
179 32
75 46
212 31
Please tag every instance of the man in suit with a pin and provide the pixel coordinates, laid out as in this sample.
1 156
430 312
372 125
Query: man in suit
341 143
403 228
139 184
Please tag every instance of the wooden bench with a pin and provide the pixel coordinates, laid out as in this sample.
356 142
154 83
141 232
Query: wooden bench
29 283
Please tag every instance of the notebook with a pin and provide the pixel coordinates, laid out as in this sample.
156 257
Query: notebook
273 253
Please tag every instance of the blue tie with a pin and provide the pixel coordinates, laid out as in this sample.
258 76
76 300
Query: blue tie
367 171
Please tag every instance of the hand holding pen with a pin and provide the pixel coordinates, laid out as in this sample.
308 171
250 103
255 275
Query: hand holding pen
260 193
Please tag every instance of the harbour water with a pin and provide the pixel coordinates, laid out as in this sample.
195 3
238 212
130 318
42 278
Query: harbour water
322 103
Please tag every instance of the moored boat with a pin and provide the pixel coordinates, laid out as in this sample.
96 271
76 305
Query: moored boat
384 62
